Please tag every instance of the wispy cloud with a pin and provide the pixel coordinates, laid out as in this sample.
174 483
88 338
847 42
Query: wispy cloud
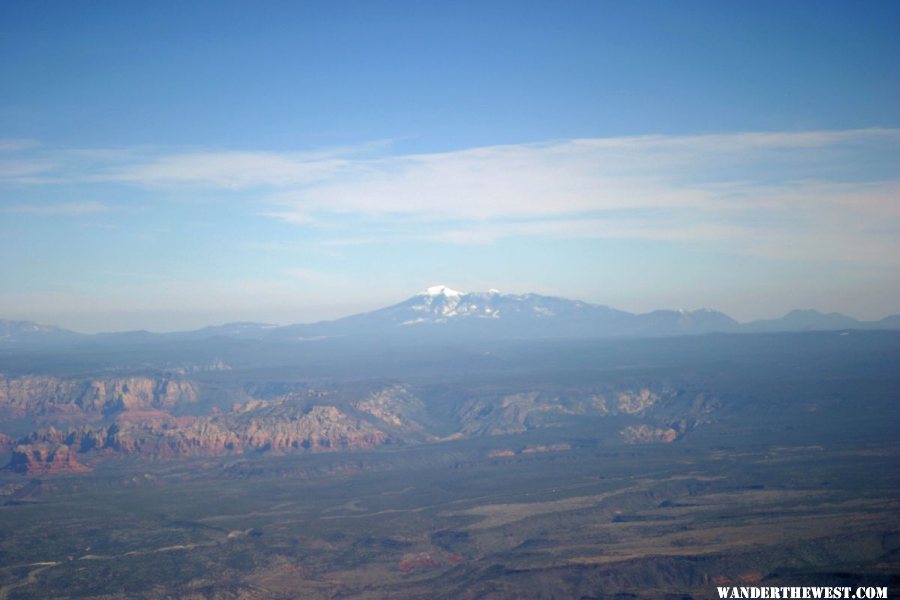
24 170
62 208
820 195
11 144
584 176
230 170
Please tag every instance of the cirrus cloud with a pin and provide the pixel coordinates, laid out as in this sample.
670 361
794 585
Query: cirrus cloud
820 195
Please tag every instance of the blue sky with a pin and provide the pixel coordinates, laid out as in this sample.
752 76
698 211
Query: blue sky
170 165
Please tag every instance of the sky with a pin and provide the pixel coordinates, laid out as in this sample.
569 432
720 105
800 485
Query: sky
171 165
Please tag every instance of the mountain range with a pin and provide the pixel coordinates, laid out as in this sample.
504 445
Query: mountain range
442 312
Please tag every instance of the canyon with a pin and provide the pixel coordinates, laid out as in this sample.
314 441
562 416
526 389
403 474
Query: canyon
95 418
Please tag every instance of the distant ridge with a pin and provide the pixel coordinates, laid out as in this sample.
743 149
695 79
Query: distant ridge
440 311
806 320
16 331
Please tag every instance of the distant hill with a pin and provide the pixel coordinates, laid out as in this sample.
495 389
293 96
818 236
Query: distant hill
31 332
805 320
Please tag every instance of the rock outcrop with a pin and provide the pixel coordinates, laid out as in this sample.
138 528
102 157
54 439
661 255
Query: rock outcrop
642 434
42 395
395 406
520 412
264 426
636 402
279 428
45 458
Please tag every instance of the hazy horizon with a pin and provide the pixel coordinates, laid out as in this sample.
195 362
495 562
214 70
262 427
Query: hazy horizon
191 322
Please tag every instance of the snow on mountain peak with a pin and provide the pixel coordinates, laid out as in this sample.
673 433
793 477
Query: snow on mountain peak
440 290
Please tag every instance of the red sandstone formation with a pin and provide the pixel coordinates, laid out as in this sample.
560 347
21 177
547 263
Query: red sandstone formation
45 459
278 427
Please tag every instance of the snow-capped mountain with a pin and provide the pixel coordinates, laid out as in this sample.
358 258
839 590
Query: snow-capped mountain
440 310
440 305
